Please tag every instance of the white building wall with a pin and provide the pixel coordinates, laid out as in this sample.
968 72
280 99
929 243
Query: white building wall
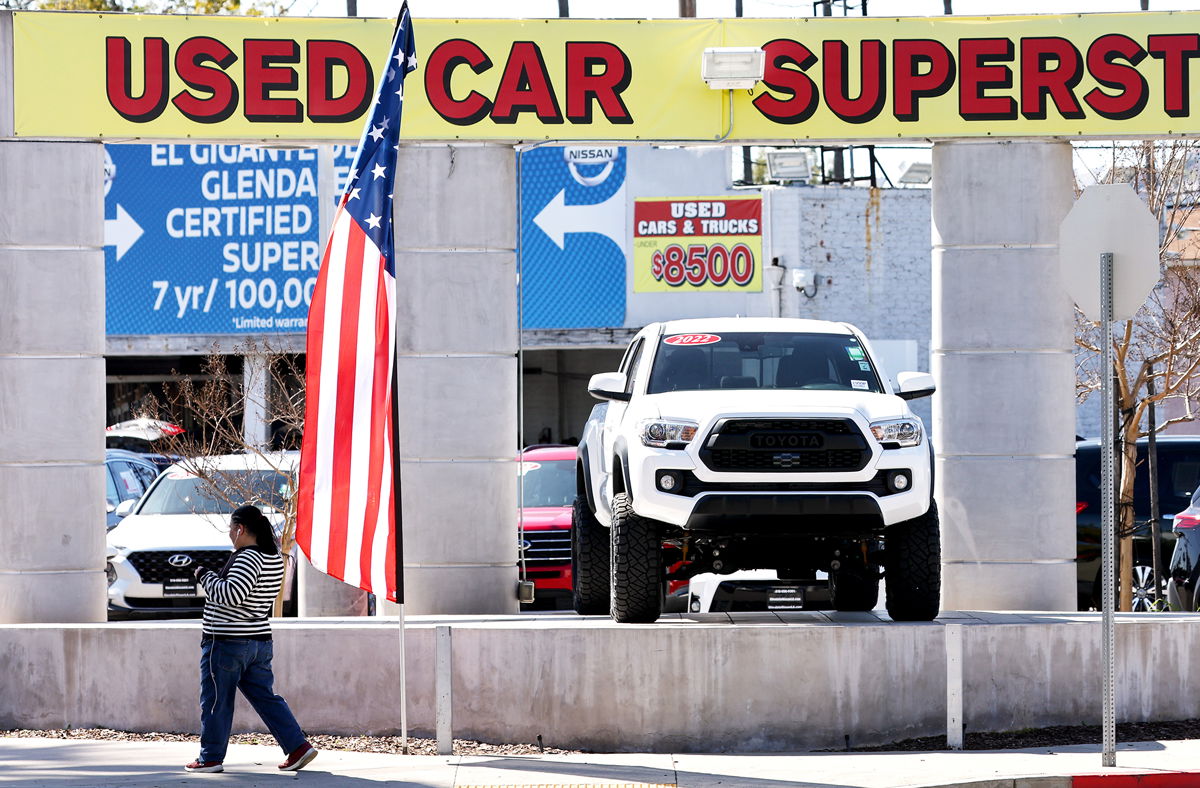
869 252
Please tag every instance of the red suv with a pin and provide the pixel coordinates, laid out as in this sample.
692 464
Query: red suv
547 492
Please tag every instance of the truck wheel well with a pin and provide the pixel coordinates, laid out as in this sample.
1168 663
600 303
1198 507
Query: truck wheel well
618 478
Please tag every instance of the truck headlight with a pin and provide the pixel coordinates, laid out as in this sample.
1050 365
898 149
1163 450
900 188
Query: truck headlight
897 433
667 433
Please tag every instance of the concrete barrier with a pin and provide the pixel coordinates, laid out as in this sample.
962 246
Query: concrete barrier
701 683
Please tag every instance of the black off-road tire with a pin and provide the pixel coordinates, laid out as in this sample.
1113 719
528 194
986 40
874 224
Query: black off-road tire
854 589
589 561
637 571
914 568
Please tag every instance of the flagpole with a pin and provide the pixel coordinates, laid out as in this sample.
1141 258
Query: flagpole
399 526
399 508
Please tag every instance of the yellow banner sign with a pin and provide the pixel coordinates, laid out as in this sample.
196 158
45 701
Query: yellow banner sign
697 244
178 77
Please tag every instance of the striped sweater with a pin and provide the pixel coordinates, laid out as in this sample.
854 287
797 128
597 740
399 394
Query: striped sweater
240 596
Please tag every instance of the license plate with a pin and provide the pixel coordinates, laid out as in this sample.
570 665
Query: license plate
179 586
785 598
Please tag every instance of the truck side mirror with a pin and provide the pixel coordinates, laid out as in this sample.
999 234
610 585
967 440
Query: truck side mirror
608 386
914 385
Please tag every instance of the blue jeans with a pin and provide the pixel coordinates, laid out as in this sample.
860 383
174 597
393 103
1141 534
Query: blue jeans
228 665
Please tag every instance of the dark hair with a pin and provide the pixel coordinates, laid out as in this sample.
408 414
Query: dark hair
253 520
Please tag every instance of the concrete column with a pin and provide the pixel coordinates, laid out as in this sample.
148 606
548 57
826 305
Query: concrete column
1004 414
256 422
51 382
456 340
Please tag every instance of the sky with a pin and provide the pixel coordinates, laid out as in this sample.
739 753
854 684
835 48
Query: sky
1091 161
642 9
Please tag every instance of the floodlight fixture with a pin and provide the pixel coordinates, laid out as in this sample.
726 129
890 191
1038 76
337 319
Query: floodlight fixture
918 172
732 68
788 165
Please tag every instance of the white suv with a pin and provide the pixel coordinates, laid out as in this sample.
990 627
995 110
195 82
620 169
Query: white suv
755 443
183 521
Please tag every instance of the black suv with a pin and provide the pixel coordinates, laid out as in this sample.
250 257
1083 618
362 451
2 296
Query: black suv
1178 478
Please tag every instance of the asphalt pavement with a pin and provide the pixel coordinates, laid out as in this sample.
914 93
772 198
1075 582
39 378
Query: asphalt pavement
127 764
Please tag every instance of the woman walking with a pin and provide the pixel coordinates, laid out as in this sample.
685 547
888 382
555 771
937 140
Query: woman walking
235 652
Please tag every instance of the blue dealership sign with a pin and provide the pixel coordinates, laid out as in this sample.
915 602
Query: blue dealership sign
574 233
209 239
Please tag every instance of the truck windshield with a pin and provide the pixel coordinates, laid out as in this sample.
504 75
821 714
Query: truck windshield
548 482
774 360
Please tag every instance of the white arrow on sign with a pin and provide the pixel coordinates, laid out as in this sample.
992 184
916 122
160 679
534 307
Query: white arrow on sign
122 232
607 218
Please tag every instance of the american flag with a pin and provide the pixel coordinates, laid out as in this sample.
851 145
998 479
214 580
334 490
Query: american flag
345 520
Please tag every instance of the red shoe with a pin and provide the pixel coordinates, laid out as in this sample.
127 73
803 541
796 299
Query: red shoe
204 766
299 758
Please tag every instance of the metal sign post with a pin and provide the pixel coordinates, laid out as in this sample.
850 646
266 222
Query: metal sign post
1111 222
1108 514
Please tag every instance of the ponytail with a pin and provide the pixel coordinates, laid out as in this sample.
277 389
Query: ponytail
253 520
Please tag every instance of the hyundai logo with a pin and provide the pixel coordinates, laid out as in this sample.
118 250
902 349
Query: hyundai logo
525 545
179 560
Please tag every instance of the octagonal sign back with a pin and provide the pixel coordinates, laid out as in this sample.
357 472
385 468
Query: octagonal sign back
1109 218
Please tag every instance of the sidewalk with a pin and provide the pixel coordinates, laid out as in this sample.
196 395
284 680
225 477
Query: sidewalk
100 764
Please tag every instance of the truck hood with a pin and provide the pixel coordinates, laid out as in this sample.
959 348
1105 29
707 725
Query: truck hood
170 531
702 406
540 518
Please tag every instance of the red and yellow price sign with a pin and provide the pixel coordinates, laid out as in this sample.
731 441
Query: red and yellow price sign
700 244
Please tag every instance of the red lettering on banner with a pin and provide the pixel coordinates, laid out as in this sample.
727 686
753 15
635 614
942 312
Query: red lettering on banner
909 55
1101 62
792 82
979 73
439 69
1039 79
525 87
872 88
322 59
212 94
266 64
1176 53
192 61
119 78
697 217
599 72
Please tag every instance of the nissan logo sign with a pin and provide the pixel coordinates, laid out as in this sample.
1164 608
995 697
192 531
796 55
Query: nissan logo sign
179 560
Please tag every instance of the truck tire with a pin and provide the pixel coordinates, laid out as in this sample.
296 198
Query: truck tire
636 565
914 568
854 589
589 561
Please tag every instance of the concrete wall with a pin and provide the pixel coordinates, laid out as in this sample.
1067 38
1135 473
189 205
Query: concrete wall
795 682
456 344
1002 356
51 380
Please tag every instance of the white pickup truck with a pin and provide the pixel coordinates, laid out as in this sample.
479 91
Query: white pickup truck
754 443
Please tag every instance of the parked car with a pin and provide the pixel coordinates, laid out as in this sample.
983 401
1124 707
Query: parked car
1184 571
127 476
547 492
1178 478
183 521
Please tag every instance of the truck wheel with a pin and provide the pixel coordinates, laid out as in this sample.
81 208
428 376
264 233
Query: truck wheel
854 589
589 561
914 568
636 565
